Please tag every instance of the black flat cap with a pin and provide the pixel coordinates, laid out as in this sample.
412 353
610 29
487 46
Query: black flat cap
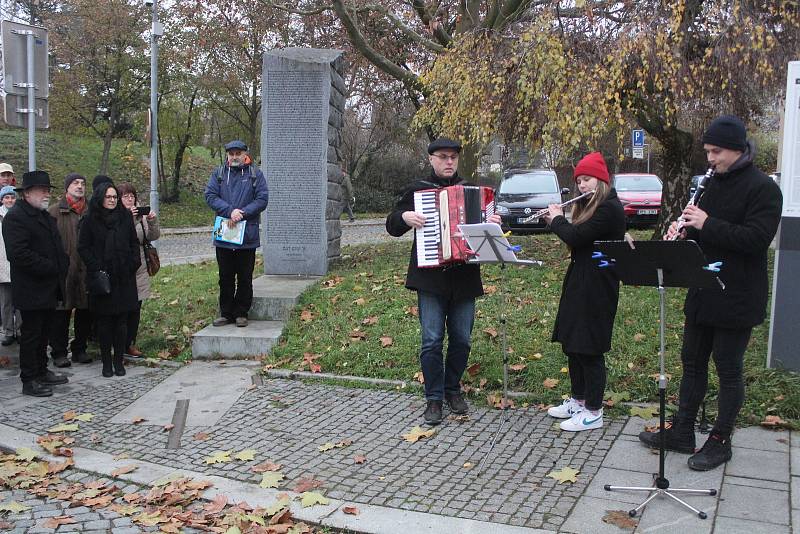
236 145
444 142
34 178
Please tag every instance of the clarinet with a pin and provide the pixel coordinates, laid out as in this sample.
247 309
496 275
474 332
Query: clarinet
701 186
567 203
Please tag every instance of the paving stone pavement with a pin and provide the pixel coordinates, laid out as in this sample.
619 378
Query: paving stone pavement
287 421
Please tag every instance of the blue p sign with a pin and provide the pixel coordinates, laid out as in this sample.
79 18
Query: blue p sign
637 137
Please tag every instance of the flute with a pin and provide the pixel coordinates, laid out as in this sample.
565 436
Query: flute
701 186
565 204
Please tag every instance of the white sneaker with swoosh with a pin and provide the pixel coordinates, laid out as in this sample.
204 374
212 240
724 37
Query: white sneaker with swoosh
585 420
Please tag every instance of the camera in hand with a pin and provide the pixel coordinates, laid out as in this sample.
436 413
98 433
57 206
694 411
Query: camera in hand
143 210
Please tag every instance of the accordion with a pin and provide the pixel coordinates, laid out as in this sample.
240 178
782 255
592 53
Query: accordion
439 242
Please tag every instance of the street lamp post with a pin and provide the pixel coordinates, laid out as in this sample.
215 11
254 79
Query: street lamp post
156 32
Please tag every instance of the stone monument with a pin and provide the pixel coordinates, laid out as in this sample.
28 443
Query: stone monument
303 98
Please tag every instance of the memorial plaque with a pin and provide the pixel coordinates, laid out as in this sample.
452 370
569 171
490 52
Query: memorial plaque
297 148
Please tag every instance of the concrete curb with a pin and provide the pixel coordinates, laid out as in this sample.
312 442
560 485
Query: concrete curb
371 519
207 229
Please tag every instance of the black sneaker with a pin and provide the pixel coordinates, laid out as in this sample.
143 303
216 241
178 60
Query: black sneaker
8 341
433 412
52 379
457 403
35 388
61 361
715 452
680 438
81 357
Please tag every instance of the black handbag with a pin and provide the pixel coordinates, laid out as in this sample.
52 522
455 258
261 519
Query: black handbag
98 283
151 259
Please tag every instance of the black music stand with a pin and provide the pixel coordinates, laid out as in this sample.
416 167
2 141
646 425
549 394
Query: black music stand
659 264
490 246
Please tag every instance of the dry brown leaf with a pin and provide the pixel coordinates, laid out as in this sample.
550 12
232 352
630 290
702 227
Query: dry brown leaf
371 320
201 436
413 311
123 470
358 334
217 504
774 421
417 433
359 301
137 420
69 415
518 366
307 484
359 459
491 332
419 377
57 467
265 466
638 337
55 522
621 519
386 341
497 401
5 361
474 369
350 510
306 316
168 427
550 383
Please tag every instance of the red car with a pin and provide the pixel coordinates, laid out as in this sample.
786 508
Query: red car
640 195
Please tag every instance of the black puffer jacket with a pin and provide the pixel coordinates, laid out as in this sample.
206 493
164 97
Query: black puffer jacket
457 281
107 242
744 209
589 295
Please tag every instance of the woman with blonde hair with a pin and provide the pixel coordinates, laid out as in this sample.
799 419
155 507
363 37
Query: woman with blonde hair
589 295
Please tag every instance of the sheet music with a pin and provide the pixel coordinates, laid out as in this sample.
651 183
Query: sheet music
479 242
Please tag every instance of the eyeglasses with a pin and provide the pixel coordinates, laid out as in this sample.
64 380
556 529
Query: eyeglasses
445 158
111 197
129 196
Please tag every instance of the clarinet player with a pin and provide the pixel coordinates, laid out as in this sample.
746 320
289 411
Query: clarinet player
445 295
734 222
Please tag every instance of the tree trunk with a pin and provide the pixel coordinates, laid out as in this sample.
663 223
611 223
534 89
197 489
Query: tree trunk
468 163
107 138
677 165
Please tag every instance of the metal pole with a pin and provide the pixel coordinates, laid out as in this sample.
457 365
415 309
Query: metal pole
648 159
154 110
31 105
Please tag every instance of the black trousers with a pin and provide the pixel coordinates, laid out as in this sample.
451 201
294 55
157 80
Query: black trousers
133 319
112 333
727 345
33 343
587 374
235 281
59 332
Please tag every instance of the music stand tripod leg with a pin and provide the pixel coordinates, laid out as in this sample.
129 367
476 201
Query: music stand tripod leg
503 348
661 482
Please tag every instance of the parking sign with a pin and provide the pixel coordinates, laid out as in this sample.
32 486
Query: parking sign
637 138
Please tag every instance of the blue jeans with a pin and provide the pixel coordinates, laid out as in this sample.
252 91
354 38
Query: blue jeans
435 312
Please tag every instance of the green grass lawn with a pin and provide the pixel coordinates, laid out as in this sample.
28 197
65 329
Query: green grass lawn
60 154
361 321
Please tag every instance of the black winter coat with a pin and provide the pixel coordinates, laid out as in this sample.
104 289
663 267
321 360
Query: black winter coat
38 262
589 295
744 209
458 281
109 243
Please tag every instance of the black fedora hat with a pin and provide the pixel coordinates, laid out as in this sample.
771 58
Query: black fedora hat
34 178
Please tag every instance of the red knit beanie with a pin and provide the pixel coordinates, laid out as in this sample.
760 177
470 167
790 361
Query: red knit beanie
592 165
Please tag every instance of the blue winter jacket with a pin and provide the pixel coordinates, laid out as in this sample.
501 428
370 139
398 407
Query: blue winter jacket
243 188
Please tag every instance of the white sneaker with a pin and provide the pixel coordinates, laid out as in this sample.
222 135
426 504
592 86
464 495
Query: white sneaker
585 420
566 409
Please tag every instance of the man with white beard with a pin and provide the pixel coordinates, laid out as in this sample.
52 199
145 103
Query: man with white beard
38 271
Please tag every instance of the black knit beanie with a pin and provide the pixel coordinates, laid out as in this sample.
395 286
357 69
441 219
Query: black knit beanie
71 177
726 131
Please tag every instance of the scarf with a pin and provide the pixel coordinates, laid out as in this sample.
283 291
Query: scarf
78 206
